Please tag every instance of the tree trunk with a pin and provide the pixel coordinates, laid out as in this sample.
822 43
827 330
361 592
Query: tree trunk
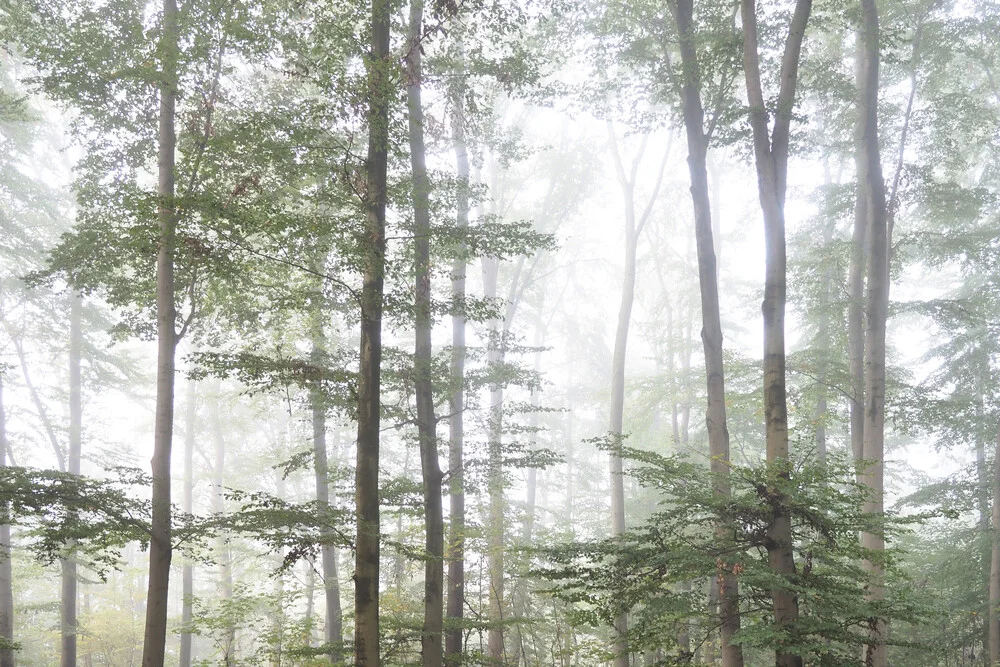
334 630
771 158
6 578
160 547
431 647
994 616
711 332
616 423
876 307
187 572
366 571
531 494
856 292
456 402
633 228
221 542
67 598
495 650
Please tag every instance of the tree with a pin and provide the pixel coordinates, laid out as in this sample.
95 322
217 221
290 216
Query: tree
161 546
771 157
372 246
634 225
711 333
7 644
432 633
456 402
872 185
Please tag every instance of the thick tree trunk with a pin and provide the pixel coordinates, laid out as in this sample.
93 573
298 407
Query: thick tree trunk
187 572
67 598
6 578
711 332
431 638
366 571
771 157
334 628
994 615
221 542
876 308
160 546
456 402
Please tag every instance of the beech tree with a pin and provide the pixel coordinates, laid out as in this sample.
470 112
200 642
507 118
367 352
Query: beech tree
771 158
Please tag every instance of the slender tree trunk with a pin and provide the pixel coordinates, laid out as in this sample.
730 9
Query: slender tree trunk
495 649
531 494
431 638
6 578
187 572
67 611
771 157
994 615
856 291
366 571
876 310
222 542
633 228
310 602
456 402
711 332
616 422
333 629
278 609
160 546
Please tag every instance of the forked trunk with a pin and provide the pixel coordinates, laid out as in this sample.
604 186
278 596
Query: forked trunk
771 158
160 546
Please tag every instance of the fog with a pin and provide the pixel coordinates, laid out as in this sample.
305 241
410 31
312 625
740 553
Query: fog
505 334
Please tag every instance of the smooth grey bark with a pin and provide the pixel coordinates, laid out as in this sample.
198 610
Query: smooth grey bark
6 578
531 492
334 624
495 649
771 158
432 633
160 546
221 542
187 571
367 547
68 574
856 294
994 593
456 402
711 332
634 224
876 310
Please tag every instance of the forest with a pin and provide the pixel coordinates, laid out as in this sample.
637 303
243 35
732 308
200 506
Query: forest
500 333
